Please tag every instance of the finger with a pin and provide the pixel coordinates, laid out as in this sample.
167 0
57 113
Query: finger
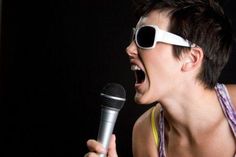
95 146
112 147
91 154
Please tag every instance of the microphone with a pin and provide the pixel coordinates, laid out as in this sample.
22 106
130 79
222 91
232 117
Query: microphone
113 99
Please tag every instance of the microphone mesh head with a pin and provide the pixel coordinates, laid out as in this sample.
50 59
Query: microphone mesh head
113 95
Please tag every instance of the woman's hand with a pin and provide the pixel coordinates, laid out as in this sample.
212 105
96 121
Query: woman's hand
96 148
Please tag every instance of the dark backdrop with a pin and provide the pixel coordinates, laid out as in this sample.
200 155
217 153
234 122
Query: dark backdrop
56 56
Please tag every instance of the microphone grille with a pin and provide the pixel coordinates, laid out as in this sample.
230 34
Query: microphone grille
113 95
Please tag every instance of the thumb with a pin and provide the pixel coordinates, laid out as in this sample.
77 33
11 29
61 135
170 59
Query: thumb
112 147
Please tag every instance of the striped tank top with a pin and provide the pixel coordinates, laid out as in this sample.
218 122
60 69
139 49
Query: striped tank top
226 104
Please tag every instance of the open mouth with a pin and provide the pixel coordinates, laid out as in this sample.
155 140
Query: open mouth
139 74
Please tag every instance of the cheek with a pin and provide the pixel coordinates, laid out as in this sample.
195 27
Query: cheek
163 70
160 64
164 63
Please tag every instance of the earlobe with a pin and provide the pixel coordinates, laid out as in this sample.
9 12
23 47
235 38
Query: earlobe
192 59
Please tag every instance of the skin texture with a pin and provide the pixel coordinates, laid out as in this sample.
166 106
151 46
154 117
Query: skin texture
144 145
195 125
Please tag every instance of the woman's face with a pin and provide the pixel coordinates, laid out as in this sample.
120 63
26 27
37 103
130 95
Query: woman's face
156 70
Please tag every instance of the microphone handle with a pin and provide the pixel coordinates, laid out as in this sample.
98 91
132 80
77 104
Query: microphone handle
107 123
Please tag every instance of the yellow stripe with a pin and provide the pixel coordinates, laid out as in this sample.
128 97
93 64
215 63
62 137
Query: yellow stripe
154 128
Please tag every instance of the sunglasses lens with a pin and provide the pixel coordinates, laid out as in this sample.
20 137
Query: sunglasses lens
146 36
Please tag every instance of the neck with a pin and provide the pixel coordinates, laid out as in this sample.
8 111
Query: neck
194 112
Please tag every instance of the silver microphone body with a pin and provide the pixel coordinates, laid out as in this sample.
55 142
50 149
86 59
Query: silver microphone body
107 123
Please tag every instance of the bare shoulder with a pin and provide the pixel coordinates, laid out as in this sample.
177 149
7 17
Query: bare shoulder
232 92
143 143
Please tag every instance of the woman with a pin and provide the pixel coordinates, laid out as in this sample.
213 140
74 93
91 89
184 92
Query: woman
178 51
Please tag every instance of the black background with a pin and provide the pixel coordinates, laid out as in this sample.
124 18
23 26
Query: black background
56 56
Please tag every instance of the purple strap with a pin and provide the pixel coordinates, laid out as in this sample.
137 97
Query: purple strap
227 106
161 135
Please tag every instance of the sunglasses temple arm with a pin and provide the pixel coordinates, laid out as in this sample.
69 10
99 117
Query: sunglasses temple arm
171 38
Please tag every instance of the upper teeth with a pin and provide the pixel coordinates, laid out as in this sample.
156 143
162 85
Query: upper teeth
135 67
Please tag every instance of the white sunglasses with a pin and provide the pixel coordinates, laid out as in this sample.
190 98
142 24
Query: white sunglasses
146 37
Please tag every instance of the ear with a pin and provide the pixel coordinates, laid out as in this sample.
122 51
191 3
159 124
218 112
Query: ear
192 59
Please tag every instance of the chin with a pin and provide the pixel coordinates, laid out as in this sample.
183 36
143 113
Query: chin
142 99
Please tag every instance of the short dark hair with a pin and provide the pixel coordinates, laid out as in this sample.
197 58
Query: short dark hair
202 22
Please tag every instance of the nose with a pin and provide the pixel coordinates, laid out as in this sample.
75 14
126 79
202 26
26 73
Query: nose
131 50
